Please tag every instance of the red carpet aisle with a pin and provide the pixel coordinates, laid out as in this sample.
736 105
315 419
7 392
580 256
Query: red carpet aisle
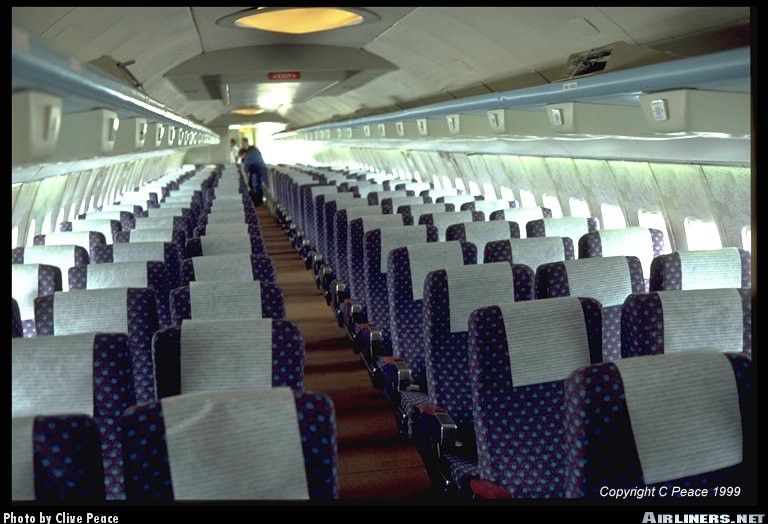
373 462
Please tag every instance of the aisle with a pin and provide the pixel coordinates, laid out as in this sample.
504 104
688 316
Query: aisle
373 462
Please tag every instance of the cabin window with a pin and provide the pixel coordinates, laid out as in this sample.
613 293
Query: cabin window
527 199
60 217
417 176
653 220
14 236
613 217
489 191
701 234
553 203
746 238
474 189
507 194
30 233
579 208
436 182
460 185
46 227
447 182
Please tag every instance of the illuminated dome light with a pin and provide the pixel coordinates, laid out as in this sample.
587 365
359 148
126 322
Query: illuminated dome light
299 20
248 111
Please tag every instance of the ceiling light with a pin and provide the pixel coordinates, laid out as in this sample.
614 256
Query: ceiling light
249 111
299 20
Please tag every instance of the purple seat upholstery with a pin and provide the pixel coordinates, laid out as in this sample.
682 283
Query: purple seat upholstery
529 251
601 431
148 474
519 357
375 197
715 318
412 213
390 204
109 228
443 221
729 267
127 219
609 280
262 267
481 233
17 329
30 281
521 215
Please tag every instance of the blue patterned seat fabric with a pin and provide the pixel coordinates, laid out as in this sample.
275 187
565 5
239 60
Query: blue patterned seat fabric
600 444
48 282
667 272
148 474
272 305
519 429
17 329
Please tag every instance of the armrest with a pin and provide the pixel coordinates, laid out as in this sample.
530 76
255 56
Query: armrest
400 379
340 293
356 312
487 490
437 432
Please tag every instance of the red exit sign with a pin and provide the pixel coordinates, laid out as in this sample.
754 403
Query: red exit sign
285 75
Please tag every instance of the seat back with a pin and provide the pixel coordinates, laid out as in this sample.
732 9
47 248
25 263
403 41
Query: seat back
442 221
487 207
219 300
376 197
168 222
673 321
609 280
341 221
518 374
147 274
390 204
29 281
239 266
522 215
641 242
232 353
63 257
377 245
295 458
108 228
532 252
481 233
412 213
308 215
407 269
321 227
127 218
457 200
674 420
355 261
229 228
718 268
123 310
450 295
56 459
165 252
331 209
98 382
568 227
85 239
224 245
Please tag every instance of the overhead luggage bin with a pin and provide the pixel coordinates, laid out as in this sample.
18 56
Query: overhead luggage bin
86 134
131 135
697 111
518 122
154 136
432 127
594 119
36 119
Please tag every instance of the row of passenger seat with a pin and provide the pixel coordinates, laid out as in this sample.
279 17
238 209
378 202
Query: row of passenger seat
164 362
447 311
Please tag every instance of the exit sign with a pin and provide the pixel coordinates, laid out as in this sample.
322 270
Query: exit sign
284 75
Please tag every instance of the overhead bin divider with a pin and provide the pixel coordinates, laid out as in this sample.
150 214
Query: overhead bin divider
367 131
130 136
86 134
595 119
36 120
154 136
432 127
697 111
170 136
382 130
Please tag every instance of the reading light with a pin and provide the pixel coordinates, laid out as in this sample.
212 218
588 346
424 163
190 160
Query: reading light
299 20
248 111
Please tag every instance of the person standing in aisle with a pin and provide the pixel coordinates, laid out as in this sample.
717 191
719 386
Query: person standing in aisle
234 157
257 170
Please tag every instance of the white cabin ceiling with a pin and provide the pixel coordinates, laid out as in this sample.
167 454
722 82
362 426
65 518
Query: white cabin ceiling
437 49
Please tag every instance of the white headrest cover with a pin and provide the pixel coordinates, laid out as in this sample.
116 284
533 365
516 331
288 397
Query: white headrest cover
336 197
22 459
225 244
489 206
226 217
474 286
404 201
362 211
63 257
224 299
138 251
395 237
102 226
547 339
223 267
106 215
154 223
68 238
90 311
570 227
120 274
25 286
703 317
442 220
52 375
480 233
230 353
430 256
352 203
378 221
235 445
159 234
632 241
522 215
227 228
166 211
718 268
684 413
535 251
322 190
458 200
418 210
605 279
